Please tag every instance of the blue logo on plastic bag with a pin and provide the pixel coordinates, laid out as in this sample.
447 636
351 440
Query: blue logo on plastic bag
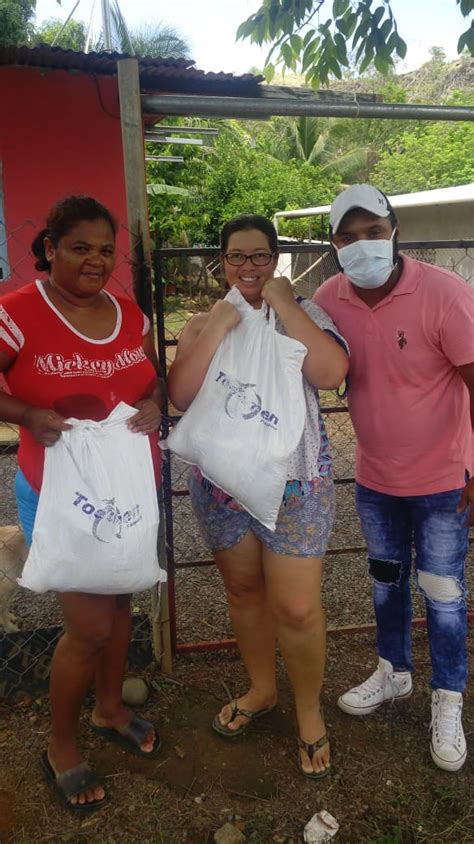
243 401
107 519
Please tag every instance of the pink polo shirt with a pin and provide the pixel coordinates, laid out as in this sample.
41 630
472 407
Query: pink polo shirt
408 403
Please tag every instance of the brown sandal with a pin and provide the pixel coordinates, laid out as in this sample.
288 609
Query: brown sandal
311 749
223 730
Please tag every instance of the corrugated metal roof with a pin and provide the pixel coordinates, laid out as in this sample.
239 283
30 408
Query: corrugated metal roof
167 75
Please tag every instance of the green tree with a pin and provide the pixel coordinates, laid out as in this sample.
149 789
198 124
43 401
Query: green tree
374 135
362 31
433 155
169 186
233 178
73 36
326 142
15 22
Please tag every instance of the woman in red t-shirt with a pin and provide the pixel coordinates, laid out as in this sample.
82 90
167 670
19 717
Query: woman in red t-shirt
68 348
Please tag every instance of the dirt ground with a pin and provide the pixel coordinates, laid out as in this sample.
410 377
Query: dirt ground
384 788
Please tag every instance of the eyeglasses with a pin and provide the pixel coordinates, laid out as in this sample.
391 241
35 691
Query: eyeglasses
258 259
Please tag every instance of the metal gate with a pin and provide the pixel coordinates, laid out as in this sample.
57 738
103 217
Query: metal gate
187 281
196 601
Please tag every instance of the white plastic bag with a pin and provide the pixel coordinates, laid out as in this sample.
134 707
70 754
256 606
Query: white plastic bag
321 828
248 416
97 521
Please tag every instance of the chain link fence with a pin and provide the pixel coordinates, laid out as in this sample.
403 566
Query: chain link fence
188 281
31 624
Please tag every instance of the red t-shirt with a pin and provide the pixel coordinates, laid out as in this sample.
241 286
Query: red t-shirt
56 367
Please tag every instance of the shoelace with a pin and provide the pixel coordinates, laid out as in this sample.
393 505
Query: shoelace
378 680
445 721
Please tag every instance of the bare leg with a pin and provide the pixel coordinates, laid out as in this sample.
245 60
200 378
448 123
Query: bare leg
109 709
112 662
88 621
294 595
241 569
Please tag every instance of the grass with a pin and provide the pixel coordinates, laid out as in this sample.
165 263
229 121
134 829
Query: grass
393 836
174 323
178 312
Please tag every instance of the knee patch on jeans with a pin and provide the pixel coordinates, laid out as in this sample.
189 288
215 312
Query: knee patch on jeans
385 571
439 587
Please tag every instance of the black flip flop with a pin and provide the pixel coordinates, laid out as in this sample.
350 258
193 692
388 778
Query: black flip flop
132 737
311 749
223 729
71 783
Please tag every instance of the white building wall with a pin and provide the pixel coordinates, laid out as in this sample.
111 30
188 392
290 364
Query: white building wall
437 222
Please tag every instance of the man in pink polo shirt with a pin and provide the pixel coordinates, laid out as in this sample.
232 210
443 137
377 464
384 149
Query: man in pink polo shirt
410 328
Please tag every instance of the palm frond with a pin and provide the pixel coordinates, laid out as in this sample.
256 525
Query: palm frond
121 33
350 164
159 41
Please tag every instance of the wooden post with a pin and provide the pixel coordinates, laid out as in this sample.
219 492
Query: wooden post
140 253
135 181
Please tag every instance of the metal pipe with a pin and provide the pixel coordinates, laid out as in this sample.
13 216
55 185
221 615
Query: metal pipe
106 26
89 28
173 159
331 552
53 42
349 629
166 139
310 248
254 108
187 130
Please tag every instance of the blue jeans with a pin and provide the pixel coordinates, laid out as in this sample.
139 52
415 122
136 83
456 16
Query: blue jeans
440 537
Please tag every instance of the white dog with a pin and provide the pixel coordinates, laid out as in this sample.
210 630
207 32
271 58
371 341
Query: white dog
13 553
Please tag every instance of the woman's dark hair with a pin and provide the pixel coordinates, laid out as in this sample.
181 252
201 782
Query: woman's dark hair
66 214
245 222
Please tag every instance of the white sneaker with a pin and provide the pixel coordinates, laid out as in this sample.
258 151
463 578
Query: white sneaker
383 686
448 743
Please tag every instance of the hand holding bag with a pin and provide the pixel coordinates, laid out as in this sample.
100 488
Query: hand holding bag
97 521
248 417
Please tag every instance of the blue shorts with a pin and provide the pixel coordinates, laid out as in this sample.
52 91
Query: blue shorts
27 505
303 526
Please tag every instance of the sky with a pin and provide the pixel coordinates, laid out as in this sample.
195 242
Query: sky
209 26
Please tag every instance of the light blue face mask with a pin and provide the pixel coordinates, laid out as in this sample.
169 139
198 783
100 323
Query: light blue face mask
367 263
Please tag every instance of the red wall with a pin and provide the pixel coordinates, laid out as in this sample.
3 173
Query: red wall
59 134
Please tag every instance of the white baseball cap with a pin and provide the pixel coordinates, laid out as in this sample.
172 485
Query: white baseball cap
358 196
